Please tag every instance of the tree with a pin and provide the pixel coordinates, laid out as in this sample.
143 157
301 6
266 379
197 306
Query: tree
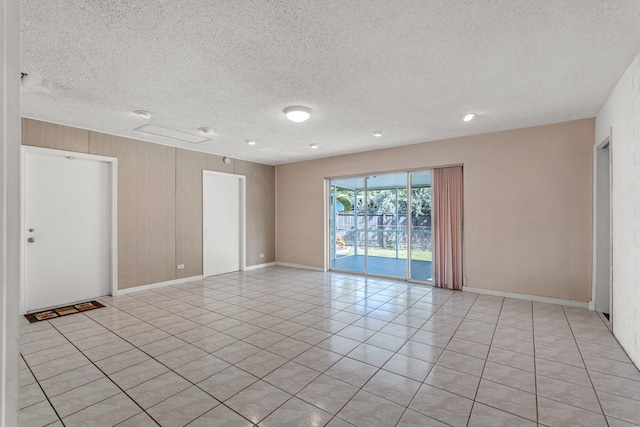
381 202
421 202
345 197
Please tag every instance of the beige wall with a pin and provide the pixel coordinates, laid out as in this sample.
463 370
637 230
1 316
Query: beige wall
527 205
160 201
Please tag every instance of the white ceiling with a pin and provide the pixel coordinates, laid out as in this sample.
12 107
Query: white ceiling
406 67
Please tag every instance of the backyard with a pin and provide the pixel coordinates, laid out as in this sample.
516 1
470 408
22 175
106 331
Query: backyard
417 255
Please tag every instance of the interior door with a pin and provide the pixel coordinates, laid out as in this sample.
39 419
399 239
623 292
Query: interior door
68 228
221 196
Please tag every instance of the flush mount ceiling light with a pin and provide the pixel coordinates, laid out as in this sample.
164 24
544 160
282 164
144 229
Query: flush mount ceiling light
314 146
467 117
144 113
250 141
297 113
377 133
206 130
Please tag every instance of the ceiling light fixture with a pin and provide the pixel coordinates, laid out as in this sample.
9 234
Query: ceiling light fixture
377 133
250 141
297 113
206 130
314 146
144 113
469 116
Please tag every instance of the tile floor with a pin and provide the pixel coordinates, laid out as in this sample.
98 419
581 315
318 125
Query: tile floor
286 347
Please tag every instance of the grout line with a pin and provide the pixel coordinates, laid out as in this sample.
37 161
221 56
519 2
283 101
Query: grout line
486 358
593 388
104 373
233 364
171 369
438 358
248 292
43 392
155 359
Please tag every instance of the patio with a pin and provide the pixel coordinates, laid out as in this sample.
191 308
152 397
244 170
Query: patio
396 267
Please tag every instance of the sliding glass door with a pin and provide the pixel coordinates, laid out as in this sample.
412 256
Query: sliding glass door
347 224
386 245
420 226
373 218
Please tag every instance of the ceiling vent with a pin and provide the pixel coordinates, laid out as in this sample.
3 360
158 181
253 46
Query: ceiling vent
176 135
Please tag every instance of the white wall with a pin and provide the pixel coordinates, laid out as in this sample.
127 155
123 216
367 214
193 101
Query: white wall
621 112
9 209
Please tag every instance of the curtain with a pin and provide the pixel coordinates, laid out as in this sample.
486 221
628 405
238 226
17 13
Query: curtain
447 227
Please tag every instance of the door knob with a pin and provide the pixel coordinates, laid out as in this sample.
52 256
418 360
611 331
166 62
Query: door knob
31 240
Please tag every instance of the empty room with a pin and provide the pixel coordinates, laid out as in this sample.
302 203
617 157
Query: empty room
279 213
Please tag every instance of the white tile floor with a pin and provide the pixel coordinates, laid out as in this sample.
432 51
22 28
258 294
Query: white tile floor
286 347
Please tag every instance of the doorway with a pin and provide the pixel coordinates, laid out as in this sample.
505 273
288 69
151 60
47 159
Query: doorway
68 228
381 225
602 248
224 223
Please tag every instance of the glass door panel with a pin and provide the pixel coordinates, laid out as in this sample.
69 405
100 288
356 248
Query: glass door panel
385 253
346 225
421 243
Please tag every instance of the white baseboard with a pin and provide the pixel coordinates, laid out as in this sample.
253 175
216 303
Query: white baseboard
527 297
157 285
300 266
257 266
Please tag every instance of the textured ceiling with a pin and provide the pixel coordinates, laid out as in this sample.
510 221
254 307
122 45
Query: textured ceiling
406 67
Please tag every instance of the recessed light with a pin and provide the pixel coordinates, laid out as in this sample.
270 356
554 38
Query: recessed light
206 130
144 113
297 113
314 146
377 133
250 141
469 116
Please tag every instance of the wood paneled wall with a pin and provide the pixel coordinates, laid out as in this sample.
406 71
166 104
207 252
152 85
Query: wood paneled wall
57 137
189 167
146 208
261 210
160 201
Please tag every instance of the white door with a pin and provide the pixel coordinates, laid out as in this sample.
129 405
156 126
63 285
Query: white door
68 228
222 201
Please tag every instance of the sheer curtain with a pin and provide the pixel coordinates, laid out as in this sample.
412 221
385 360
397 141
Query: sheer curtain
447 227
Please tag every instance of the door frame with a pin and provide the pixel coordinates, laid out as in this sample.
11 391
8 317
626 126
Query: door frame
113 162
599 223
243 216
